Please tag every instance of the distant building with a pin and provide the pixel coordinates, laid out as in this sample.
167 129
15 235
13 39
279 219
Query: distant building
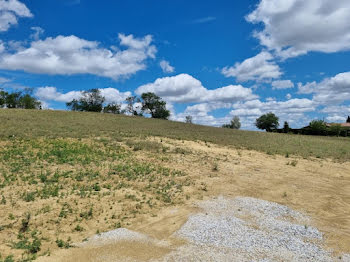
346 124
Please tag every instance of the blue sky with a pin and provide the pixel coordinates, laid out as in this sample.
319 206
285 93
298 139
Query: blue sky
208 59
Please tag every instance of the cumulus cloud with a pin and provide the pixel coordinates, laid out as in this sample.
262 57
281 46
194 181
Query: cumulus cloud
282 84
10 11
166 67
256 107
296 27
50 93
257 68
292 110
184 88
200 114
38 31
68 55
333 90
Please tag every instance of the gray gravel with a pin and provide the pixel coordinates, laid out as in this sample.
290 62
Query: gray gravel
248 229
243 230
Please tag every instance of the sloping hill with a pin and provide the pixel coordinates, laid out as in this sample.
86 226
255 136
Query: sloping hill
28 123
66 176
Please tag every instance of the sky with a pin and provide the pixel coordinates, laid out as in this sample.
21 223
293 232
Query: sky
211 59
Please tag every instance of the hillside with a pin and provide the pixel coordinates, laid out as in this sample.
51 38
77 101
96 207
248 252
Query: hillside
66 176
29 124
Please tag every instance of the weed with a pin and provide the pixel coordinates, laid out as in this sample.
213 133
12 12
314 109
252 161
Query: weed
79 228
64 244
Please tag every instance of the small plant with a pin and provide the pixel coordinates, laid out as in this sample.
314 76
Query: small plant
215 167
79 228
3 200
25 223
63 244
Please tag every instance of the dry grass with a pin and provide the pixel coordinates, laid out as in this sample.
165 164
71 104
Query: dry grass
65 176
27 123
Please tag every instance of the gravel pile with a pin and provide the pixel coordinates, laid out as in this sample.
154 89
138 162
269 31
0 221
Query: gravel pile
248 229
241 229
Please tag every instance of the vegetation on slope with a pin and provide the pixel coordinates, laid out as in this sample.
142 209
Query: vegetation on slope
29 124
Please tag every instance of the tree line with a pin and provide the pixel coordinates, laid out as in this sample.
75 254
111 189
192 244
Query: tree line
93 101
19 99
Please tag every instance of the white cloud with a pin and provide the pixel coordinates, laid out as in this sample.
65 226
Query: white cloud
4 80
113 95
308 88
184 88
166 67
257 68
333 90
10 11
50 93
200 114
336 118
288 96
68 55
292 110
204 20
38 31
282 84
295 27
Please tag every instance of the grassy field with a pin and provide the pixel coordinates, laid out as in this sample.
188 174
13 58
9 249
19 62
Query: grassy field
65 176
60 124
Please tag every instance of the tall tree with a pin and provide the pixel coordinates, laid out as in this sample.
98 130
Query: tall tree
3 95
267 122
130 108
90 101
112 109
286 127
234 124
188 119
154 105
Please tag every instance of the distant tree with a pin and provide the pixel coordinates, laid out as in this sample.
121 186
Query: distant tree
286 127
13 100
318 127
267 122
90 101
335 130
22 100
28 102
3 96
188 119
130 108
112 109
154 105
234 124
348 120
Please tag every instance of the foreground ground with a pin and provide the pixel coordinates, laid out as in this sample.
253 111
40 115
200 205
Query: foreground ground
59 190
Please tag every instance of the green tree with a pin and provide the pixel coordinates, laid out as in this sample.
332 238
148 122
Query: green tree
112 109
3 96
234 124
28 102
267 122
318 127
286 127
335 130
13 100
130 108
154 105
188 119
90 101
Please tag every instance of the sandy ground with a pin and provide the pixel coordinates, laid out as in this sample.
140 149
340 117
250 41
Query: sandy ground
318 188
